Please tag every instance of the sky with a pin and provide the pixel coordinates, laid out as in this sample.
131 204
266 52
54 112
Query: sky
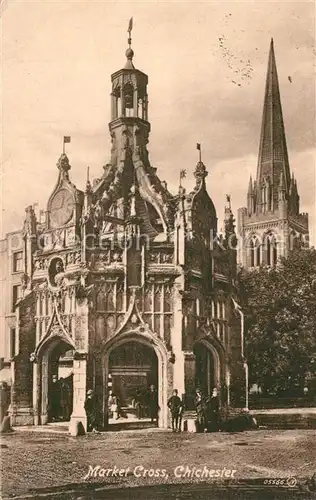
207 65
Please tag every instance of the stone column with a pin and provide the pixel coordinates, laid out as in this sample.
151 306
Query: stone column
36 395
79 391
189 379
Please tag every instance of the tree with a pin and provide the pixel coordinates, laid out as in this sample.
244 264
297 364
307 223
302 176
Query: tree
280 320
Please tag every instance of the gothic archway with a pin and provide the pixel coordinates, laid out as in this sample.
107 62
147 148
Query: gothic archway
151 368
211 368
53 381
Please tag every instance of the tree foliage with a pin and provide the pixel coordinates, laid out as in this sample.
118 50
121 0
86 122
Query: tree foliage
280 320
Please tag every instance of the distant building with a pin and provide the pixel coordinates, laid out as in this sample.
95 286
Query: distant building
271 224
12 267
125 282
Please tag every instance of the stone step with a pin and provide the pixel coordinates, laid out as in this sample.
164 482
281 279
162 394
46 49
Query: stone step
287 418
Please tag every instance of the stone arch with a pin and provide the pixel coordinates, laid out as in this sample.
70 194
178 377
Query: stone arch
43 373
254 250
270 248
146 337
220 366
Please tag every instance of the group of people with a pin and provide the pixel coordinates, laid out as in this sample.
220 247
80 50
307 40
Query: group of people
146 404
93 410
60 404
207 410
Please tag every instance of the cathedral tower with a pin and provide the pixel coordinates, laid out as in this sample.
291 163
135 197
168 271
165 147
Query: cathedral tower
272 224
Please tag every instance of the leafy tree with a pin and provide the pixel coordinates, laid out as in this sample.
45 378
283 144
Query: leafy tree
280 321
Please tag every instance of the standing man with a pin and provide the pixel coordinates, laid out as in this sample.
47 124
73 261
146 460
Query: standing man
55 399
153 403
213 411
92 410
175 405
200 410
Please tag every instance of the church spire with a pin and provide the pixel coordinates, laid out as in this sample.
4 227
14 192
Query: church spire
273 155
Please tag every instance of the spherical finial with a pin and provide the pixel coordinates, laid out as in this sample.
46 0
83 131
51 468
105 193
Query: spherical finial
129 53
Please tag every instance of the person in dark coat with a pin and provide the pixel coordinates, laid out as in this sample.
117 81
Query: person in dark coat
153 403
213 419
175 406
92 410
139 404
199 401
55 409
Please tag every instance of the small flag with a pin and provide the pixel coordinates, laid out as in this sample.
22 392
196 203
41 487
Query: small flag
183 173
130 25
67 139
198 147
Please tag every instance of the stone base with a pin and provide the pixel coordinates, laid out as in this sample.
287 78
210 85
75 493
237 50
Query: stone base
77 423
189 425
21 416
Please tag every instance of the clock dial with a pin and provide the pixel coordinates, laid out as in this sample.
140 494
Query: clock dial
62 207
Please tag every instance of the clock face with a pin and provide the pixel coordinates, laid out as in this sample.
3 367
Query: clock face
62 207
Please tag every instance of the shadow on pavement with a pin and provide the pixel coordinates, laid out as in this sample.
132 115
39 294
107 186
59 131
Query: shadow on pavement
241 490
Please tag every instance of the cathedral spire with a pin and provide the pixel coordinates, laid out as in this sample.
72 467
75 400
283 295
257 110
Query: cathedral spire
273 155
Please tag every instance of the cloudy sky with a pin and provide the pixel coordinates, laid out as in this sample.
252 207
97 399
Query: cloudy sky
206 63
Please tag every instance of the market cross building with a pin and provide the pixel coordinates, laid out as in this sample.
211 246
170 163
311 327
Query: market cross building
123 281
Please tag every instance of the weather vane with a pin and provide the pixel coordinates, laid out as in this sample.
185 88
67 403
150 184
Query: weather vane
129 30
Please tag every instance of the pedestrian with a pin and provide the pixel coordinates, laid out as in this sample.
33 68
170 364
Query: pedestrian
113 405
212 411
55 399
65 400
200 410
153 403
175 406
92 410
139 404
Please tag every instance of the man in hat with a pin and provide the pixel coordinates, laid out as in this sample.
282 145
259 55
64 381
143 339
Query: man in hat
92 410
175 405
153 403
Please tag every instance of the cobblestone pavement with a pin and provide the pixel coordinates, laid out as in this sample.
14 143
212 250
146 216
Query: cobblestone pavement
57 466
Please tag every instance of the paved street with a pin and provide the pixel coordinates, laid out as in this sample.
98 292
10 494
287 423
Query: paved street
52 464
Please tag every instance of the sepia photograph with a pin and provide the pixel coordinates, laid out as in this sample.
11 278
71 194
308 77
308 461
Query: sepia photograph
157 250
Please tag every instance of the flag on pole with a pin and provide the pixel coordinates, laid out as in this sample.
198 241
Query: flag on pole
67 139
130 25
198 147
183 173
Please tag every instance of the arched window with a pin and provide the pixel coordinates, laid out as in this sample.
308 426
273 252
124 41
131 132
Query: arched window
271 249
116 100
255 252
129 99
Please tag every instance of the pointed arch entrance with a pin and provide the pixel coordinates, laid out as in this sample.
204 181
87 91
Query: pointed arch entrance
133 361
210 365
53 381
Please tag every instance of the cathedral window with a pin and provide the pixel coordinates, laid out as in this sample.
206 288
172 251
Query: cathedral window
255 252
271 250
